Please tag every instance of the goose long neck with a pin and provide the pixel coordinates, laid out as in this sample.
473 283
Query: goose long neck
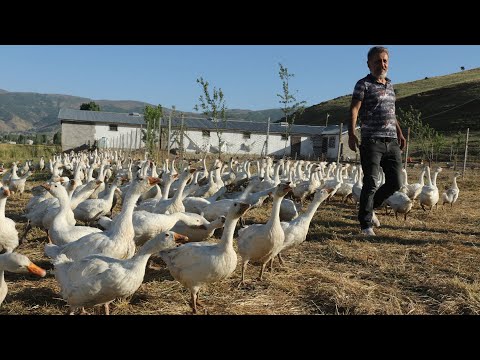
124 222
275 217
435 174
227 237
2 207
455 182
429 178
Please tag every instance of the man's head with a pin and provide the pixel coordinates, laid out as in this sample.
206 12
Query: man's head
378 61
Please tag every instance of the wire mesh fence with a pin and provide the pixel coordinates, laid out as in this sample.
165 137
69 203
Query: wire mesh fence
451 149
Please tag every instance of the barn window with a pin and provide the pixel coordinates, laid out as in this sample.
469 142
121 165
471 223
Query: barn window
331 142
113 127
206 133
284 137
246 135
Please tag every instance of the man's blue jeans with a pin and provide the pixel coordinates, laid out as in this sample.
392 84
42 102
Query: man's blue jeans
376 153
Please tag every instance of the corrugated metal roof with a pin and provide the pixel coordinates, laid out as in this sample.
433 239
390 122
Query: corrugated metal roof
189 123
100 116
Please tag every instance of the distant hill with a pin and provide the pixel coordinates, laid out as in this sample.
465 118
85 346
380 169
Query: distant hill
446 102
34 112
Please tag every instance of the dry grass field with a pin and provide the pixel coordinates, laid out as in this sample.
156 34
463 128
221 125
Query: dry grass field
429 264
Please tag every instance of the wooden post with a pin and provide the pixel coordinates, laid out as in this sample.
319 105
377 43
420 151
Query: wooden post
181 137
169 133
406 148
159 138
465 156
339 142
268 134
136 137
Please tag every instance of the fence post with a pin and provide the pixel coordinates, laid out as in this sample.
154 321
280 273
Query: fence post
168 135
406 149
268 134
159 138
181 137
465 156
339 142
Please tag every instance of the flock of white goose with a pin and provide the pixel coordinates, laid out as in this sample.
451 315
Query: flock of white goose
170 212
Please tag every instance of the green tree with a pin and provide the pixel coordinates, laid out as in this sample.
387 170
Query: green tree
426 138
150 135
290 106
91 106
213 106
57 138
21 139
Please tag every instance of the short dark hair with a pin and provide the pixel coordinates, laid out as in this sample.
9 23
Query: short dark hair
376 50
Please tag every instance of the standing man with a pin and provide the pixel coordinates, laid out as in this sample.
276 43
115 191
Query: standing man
373 100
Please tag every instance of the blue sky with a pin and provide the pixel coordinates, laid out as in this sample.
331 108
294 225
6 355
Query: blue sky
247 74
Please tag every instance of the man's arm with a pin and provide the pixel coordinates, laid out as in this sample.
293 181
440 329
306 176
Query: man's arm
401 139
352 138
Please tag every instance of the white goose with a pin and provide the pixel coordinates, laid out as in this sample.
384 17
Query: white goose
429 195
116 242
289 210
8 232
61 230
451 195
260 242
16 263
91 209
97 279
201 233
400 202
296 230
198 263
146 224
415 189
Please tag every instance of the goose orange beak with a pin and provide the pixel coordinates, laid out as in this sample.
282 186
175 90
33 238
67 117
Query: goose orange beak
37 270
153 180
46 186
182 239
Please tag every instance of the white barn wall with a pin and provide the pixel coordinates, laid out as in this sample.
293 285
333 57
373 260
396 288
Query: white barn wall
78 134
102 130
237 144
306 147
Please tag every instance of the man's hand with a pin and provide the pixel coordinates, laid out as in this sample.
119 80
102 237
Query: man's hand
401 141
353 142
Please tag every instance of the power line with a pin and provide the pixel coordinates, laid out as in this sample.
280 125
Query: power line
469 101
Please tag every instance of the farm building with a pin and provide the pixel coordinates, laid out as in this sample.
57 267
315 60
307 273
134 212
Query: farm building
123 130
80 127
327 146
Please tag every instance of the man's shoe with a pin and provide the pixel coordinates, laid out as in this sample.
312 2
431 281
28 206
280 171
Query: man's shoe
368 232
375 220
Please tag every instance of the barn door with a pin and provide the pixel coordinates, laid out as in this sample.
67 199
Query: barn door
295 145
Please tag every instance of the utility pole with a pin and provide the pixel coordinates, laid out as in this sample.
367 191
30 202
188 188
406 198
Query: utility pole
340 145
266 139
406 148
326 121
169 133
465 157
